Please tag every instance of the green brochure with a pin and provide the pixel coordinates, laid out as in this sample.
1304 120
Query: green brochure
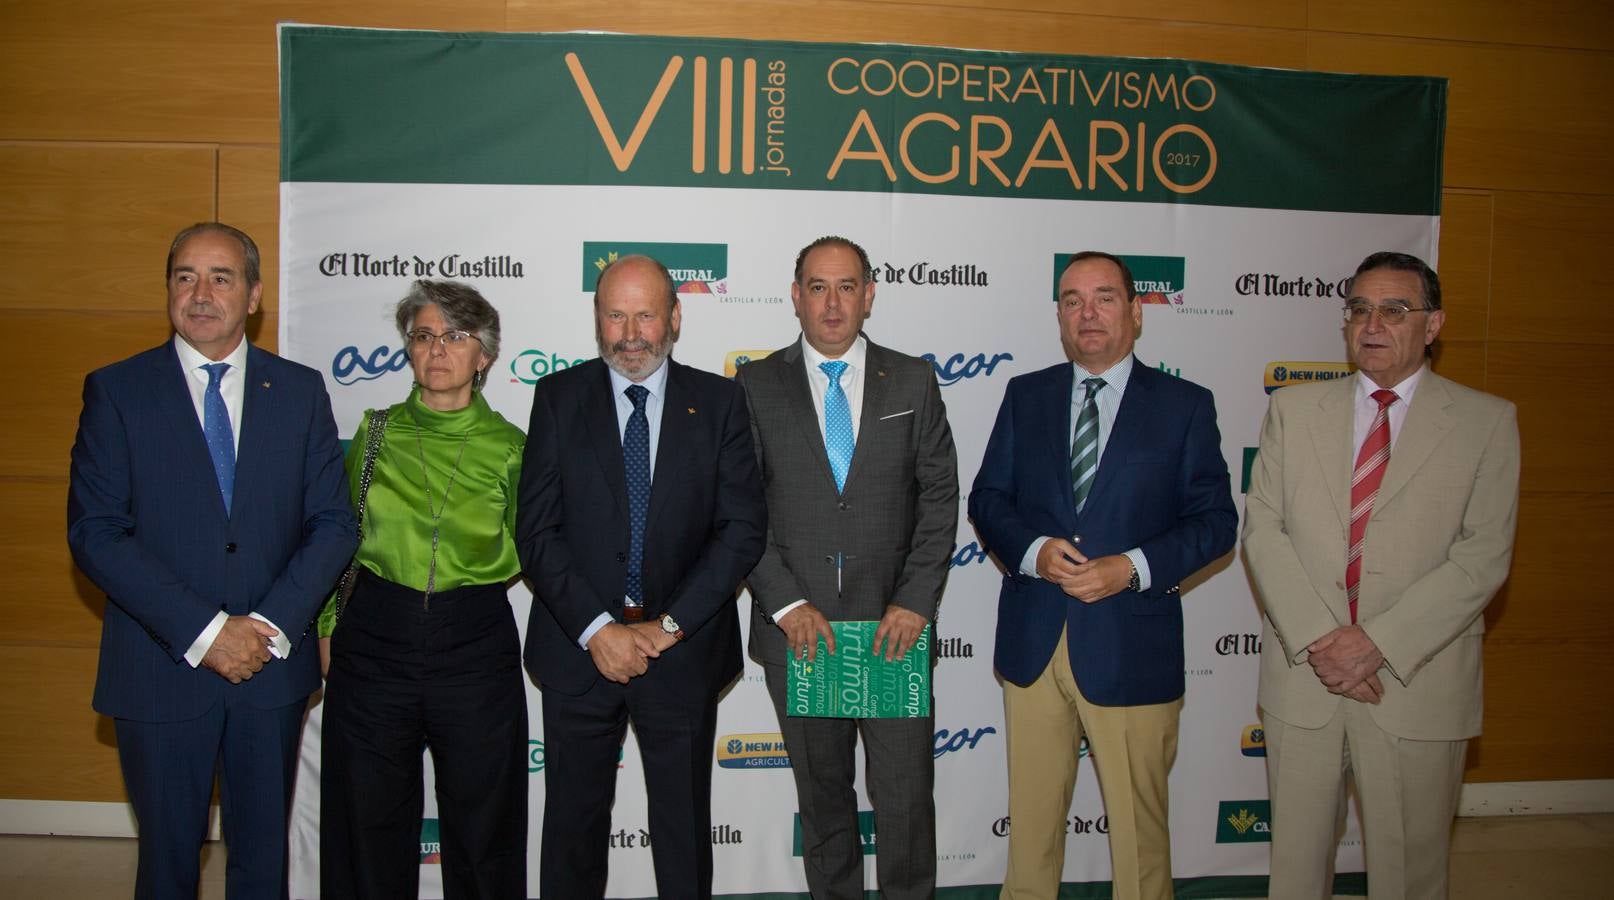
853 683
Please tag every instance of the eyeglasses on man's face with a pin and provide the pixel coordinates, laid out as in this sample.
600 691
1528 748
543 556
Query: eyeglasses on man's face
1358 312
423 339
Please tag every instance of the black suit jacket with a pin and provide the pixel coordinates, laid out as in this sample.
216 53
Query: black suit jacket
703 532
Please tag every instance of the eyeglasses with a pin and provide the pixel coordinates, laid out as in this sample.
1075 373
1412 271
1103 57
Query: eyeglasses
1358 313
423 339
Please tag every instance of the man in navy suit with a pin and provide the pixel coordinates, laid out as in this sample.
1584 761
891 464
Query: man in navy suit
640 510
207 499
1103 487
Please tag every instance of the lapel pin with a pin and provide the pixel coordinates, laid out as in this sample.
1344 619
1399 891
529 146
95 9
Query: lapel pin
882 373
266 384
691 410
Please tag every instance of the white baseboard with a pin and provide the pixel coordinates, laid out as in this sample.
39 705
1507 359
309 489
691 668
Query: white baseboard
77 818
1536 798
1504 798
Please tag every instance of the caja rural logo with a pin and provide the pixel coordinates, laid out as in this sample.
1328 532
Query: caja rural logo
1243 821
1158 280
695 268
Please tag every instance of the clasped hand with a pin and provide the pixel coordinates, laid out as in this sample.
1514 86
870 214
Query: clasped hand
241 648
1088 580
1347 662
623 652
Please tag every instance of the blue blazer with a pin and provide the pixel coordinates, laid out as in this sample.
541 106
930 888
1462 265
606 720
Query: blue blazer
146 523
1162 485
704 529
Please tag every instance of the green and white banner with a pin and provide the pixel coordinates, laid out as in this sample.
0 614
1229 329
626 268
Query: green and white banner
522 163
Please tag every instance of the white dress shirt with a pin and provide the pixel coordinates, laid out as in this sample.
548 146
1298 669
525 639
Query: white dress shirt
1108 401
656 384
856 359
233 388
1366 409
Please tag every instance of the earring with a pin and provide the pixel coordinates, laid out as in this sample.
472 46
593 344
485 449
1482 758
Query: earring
479 379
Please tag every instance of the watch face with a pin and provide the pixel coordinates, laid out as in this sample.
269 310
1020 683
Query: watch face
668 625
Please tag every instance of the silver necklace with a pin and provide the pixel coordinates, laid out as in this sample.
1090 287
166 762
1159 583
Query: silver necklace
437 512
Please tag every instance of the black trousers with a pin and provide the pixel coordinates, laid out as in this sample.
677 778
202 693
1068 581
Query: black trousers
675 724
407 675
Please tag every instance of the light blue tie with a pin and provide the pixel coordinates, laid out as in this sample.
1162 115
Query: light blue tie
216 428
838 441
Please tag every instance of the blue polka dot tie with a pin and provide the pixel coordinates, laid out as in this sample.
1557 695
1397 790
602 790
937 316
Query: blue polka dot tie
636 460
216 428
838 442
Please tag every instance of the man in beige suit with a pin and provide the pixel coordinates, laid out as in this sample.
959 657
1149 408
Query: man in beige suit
1378 525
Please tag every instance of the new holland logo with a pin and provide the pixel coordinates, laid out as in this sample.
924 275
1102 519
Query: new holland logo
1244 822
753 751
738 358
1157 279
695 268
1282 374
1254 742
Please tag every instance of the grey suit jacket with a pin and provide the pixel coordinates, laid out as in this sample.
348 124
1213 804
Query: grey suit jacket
1437 548
893 526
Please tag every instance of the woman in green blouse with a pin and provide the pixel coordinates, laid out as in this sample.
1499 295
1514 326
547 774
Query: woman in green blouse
426 653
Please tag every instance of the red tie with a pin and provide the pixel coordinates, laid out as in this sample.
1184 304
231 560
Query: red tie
1371 462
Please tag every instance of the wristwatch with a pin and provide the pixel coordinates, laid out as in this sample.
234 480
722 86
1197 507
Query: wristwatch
670 626
1133 584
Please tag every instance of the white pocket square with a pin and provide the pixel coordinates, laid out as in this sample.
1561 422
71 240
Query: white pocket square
906 412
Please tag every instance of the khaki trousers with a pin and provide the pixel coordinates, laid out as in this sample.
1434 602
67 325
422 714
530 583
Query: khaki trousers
1132 747
1408 789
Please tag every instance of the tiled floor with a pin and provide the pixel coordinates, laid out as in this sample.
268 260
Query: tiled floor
1500 858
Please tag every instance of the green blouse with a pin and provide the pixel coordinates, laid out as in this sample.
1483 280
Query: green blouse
476 542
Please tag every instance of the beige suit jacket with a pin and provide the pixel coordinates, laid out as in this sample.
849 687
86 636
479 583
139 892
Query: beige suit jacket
1437 549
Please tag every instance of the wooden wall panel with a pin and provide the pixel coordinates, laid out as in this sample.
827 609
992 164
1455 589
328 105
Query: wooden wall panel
947 26
89 225
174 70
1521 118
53 746
1553 23
1255 13
48 600
1462 362
1465 264
1564 421
60 349
249 199
1548 285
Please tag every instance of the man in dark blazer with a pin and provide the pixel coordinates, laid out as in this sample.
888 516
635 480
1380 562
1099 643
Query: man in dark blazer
853 534
207 499
1103 487
640 511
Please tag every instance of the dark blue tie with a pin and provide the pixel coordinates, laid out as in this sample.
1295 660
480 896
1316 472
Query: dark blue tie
216 428
636 460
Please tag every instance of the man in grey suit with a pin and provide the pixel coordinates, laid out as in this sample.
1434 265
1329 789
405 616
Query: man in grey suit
862 487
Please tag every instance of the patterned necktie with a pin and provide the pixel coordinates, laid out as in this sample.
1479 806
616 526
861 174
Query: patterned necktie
1371 461
838 441
636 460
1084 447
216 428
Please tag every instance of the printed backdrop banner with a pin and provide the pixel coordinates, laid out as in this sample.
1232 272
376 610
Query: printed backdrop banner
523 163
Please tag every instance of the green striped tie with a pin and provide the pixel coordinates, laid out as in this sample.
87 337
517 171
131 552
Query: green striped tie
1084 449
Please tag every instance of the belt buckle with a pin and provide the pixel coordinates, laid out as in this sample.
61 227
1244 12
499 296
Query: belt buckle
633 613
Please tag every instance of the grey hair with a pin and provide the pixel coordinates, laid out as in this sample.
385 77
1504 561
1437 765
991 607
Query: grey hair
666 277
463 308
249 249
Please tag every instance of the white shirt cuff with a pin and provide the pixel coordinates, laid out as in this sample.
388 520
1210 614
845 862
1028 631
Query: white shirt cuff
204 641
1028 564
602 620
279 645
787 608
1141 563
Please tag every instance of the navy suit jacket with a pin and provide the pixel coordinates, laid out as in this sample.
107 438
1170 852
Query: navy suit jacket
704 529
146 523
1162 486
